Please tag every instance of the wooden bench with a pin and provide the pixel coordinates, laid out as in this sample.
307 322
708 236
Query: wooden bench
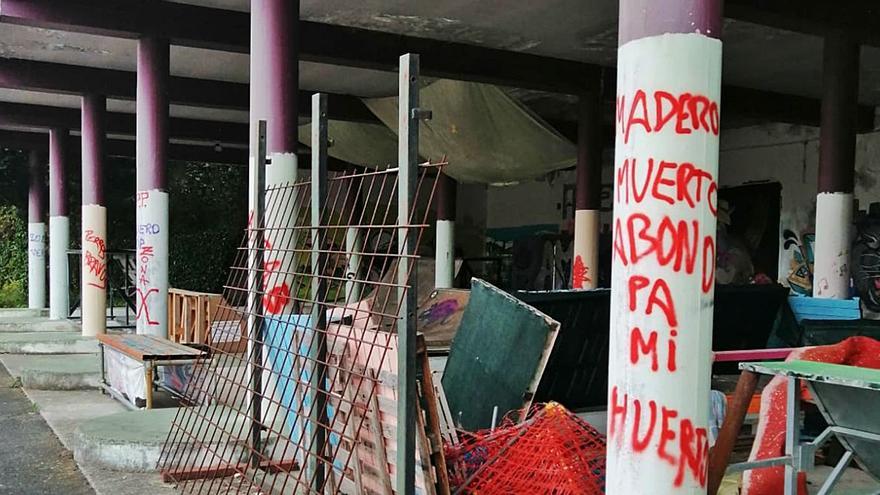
150 351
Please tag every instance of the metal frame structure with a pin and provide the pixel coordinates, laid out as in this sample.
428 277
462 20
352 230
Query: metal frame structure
294 413
800 457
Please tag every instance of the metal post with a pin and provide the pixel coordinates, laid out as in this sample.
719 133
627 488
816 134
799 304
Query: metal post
792 434
407 157
256 197
318 349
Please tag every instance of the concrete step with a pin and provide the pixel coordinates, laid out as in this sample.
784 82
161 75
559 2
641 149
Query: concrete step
132 441
55 372
46 343
14 313
26 325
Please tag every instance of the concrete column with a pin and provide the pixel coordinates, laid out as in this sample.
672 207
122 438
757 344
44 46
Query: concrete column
274 75
445 253
151 204
663 263
37 230
837 156
354 245
93 279
588 190
59 225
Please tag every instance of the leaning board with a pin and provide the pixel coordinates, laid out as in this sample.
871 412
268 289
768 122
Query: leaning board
497 356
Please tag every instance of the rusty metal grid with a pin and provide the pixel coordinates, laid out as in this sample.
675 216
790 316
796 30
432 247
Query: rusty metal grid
287 414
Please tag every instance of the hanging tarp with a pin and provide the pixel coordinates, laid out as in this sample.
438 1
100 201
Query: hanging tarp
370 145
488 136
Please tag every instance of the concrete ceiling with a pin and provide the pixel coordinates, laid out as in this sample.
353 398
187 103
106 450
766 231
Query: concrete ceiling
754 56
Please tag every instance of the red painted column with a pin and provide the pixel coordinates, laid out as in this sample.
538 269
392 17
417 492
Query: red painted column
837 157
588 190
59 225
93 279
151 237
274 75
665 200
37 230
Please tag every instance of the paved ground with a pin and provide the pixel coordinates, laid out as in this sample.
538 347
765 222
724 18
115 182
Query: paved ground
32 460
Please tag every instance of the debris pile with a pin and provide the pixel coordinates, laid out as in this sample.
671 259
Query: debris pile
551 451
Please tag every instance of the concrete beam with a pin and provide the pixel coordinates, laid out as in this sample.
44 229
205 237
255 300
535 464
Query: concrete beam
46 117
858 18
118 84
125 148
339 45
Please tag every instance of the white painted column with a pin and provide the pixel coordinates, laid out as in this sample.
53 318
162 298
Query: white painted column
445 263
444 253
837 155
281 261
663 258
36 265
59 226
151 255
585 257
151 209
36 231
354 245
834 218
94 269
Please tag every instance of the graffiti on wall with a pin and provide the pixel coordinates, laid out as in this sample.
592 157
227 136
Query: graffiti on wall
800 276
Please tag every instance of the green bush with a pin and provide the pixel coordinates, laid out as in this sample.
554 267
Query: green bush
13 258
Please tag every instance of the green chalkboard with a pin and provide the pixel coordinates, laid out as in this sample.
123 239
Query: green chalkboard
497 356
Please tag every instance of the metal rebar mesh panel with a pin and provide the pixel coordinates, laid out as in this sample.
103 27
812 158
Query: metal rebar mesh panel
319 314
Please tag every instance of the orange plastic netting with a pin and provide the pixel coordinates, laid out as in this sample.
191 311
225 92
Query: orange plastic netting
552 452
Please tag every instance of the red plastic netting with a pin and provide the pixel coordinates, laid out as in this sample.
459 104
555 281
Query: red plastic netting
552 452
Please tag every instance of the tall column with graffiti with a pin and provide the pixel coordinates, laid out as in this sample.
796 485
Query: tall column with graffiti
37 230
837 157
273 98
59 225
585 259
93 280
151 202
663 268
447 188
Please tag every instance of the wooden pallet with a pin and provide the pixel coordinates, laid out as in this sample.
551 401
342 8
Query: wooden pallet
192 320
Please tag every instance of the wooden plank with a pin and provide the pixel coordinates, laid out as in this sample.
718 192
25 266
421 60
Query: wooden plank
431 416
379 444
146 347
719 454
751 355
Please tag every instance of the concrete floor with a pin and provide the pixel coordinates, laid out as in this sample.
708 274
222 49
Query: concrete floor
32 459
31 417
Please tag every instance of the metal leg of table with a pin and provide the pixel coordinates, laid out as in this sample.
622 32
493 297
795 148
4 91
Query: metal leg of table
101 364
792 434
834 477
148 383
